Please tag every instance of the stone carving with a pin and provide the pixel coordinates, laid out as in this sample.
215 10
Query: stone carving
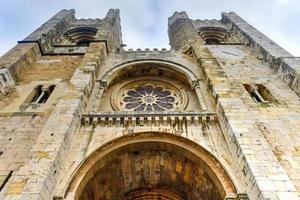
150 94
149 98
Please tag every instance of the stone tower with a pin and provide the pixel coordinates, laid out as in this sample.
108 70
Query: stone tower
215 117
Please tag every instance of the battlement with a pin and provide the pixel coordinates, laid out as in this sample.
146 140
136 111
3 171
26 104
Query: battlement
198 23
87 22
215 116
146 50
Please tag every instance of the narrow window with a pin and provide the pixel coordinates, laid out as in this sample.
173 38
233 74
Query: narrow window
35 94
188 51
47 92
3 77
264 92
41 94
259 93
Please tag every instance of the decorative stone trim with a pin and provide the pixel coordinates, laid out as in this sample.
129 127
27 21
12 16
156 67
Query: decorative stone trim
147 50
148 118
119 95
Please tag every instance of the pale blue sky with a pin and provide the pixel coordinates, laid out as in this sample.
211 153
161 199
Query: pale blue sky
144 22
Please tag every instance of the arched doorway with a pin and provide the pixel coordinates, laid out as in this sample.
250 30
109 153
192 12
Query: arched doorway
151 166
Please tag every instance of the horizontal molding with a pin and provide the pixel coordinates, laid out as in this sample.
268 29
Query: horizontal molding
148 118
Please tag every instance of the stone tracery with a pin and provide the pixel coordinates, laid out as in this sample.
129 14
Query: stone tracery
148 94
149 98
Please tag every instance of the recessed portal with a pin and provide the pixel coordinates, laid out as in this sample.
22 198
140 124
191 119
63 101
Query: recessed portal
150 171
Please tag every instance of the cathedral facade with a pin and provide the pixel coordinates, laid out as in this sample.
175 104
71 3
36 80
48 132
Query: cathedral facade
215 117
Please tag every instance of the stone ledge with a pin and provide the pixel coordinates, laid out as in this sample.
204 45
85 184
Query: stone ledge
148 118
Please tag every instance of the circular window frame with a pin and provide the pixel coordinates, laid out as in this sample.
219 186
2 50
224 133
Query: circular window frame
116 97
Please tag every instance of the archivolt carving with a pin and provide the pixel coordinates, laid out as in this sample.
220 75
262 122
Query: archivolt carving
158 142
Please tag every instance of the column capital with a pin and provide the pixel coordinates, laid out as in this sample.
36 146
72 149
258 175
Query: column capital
195 83
102 84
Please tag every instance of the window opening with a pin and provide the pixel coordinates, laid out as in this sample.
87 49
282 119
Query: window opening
264 92
41 94
259 93
3 77
212 41
84 43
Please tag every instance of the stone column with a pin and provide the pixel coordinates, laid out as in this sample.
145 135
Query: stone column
100 89
200 96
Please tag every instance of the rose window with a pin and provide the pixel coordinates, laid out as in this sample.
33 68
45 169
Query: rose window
148 94
149 98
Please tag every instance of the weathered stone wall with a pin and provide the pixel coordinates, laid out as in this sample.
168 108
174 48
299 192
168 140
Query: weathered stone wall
52 144
50 32
181 31
19 58
99 128
110 30
18 134
277 120
285 65
254 132
54 150
35 142
245 140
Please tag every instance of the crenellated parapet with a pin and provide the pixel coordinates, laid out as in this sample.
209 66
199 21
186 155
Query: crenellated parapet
84 118
88 21
198 24
146 50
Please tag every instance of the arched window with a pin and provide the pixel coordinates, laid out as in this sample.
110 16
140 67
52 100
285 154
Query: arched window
81 36
40 94
212 41
216 36
84 42
259 93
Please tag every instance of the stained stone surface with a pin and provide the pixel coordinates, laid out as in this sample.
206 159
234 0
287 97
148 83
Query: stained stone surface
194 131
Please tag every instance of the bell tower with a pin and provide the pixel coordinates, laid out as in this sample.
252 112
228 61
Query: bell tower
216 116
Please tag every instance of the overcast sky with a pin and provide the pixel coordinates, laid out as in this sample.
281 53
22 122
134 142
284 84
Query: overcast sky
144 22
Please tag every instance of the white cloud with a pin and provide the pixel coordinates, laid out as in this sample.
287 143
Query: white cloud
284 2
